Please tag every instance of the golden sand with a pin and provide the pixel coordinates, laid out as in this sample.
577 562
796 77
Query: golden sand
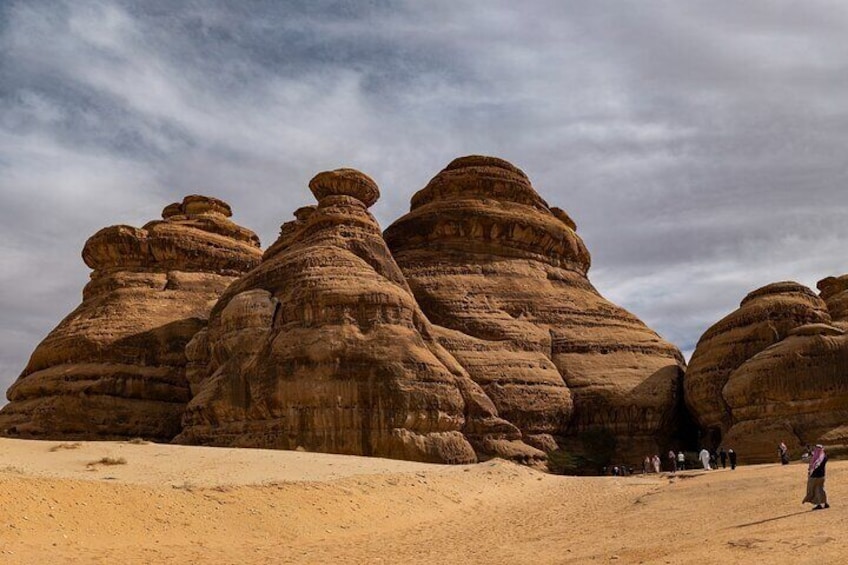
174 504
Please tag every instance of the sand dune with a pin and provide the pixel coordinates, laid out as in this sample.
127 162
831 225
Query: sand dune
173 504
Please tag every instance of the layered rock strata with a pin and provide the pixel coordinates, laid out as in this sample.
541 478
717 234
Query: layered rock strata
115 366
795 391
765 317
791 385
323 347
504 276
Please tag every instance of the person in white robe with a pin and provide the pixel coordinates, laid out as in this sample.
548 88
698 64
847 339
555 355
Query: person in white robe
704 456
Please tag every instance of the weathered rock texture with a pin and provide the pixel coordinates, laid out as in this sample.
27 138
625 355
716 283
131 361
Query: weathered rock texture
775 370
115 366
764 318
324 347
834 291
504 276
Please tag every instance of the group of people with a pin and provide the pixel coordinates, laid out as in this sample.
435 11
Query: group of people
652 464
817 458
709 459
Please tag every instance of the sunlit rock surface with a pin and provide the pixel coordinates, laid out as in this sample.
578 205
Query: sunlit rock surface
504 277
115 366
323 347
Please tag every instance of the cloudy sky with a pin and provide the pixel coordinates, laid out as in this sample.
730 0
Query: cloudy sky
702 147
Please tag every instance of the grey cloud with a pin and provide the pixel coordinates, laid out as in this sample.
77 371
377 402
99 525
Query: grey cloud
699 145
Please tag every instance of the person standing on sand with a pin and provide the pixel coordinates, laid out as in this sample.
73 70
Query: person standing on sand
681 461
672 461
704 456
723 456
783 452
655 461
732 456
815 480
646 465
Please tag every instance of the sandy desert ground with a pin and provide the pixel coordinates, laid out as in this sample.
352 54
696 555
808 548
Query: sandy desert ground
173 504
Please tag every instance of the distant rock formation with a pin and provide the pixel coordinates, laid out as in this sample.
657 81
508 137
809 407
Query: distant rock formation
764 318
324 347
503 276
775 370
114 367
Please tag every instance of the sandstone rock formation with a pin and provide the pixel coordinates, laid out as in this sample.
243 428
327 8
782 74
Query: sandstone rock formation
775 370
504 277
114 367
765 317
834 291
324 347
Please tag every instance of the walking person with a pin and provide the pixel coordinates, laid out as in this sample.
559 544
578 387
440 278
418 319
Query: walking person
815 479
704 456
783 452
681 461
672 461
655 461
723 456
732 456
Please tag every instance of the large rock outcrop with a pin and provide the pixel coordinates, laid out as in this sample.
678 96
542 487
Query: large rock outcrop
324 347
115 366
765 317
504 276
795 391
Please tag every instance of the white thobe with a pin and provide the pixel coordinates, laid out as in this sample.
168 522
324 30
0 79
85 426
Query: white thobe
705 459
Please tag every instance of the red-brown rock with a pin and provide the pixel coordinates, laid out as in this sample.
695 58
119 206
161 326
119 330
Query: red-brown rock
114 367
834 291
782 367
324 347
765 317
505 278
795 391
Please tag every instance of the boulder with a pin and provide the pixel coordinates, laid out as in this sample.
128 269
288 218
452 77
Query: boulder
323 347
834 291
504 278
765 317
115 367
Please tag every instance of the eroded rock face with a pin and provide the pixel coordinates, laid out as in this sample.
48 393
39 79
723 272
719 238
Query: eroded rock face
115 366
765 317
504 277
324 347
834 291
795 391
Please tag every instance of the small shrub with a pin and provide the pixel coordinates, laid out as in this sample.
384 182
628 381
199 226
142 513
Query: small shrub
138 441
109 461
61 446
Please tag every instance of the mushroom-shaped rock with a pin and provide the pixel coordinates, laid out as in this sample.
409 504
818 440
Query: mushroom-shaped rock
345 182
115 367
504 278
324 347
764 318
